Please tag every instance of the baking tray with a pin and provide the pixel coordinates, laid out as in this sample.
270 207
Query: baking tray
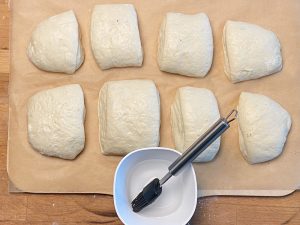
92 172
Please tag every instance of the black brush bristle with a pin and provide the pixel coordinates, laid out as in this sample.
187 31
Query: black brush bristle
139 203
147 196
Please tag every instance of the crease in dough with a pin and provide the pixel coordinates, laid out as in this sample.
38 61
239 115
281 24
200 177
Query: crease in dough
250 51
185 44
55 44
263 127
115 37
193 111
129 116
56 121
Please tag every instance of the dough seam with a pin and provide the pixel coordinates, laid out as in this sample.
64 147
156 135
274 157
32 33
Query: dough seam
181 117
161 51
102 129
226 57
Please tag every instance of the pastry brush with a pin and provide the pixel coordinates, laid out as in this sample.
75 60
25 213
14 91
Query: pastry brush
153 189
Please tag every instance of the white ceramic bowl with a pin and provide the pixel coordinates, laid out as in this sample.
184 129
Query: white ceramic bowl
177 202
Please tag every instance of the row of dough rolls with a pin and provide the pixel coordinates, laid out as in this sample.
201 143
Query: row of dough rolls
129 119
185 44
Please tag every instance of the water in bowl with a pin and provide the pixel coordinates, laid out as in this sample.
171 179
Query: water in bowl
171 197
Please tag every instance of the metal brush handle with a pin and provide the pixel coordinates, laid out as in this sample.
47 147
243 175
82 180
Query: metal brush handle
200 145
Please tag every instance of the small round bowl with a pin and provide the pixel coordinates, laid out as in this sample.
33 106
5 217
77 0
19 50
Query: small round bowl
177 202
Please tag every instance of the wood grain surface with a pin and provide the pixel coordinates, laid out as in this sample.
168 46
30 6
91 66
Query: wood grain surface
57 209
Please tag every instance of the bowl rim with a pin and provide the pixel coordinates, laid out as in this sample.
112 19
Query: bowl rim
153 148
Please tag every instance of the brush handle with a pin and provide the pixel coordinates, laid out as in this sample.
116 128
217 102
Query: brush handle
200 145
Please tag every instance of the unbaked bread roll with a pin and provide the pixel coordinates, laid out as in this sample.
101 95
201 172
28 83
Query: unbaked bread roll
192 113
115 36
263 127
129 116
55 44
56 121
250 51
185 44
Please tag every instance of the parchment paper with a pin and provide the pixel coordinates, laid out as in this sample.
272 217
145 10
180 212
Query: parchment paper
92 172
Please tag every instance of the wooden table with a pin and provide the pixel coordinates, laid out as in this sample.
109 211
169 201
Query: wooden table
58 209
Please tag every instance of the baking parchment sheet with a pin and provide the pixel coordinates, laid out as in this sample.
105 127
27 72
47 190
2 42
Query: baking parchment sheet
91 172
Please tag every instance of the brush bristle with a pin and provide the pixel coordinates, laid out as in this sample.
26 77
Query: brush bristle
147 196
139 203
